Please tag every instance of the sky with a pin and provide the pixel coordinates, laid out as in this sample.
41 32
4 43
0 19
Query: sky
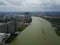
29 5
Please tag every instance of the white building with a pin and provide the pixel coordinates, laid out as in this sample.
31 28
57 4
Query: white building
3 38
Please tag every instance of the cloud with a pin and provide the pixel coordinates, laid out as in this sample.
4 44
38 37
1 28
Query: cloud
1 3
30 5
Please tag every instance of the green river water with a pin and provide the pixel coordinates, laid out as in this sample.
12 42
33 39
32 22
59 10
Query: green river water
39 32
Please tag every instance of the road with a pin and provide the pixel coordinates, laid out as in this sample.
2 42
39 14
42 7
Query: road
39 32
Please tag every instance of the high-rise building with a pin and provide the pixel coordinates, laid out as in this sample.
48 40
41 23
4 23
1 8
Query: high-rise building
27 16
3 28
8 27
11 27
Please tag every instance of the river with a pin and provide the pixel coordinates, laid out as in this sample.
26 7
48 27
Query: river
39 32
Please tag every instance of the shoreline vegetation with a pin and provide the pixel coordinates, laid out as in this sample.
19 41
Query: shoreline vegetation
55 23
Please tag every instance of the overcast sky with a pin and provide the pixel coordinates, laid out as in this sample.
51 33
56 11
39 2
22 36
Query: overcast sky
29 5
